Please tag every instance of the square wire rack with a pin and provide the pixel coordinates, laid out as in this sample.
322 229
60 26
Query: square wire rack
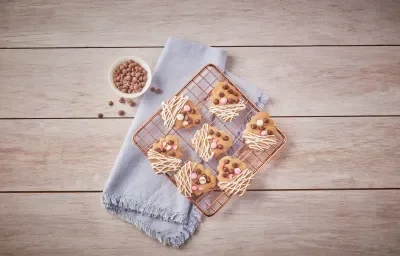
198 89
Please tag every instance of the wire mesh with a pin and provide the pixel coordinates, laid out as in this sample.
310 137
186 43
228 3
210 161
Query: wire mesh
198 89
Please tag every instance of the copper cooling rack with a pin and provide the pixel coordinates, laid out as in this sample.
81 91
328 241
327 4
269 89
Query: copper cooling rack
198 90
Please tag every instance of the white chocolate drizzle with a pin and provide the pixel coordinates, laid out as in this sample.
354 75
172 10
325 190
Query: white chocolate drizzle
229 111
171 109
237 185
183 180
202 144
258 142
161 163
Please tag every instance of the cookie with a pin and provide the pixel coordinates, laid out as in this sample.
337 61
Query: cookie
165 154
168 146
233 175
226 101
188 117
210 141
180 112
229 167
194 179
224 94
259 132
202 180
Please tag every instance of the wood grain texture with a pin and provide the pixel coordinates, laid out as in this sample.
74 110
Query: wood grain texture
259 223
147 23
311 81
320 153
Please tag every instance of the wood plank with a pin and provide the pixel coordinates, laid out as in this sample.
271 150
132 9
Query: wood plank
259 223
146 23
306 81
320 153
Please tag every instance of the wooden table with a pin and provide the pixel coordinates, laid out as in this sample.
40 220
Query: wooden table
331 68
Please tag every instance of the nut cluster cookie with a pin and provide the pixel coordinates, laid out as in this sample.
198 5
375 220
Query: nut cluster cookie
225 101
233 175
224 93
210 141
165 154
259 133
180 112
168 146
202 180
194 178
188 117
229 167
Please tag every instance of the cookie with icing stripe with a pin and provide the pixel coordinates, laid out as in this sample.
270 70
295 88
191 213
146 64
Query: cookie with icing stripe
226 102
188 116
260 132
229 167
202 180
165 155
210 141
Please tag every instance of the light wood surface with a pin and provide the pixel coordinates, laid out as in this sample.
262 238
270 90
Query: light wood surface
148 23
319 81
331 69
321 153
260 223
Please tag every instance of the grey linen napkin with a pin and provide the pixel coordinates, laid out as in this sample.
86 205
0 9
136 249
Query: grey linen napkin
133 191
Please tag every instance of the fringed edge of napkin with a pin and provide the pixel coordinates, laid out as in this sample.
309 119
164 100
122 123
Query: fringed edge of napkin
121 206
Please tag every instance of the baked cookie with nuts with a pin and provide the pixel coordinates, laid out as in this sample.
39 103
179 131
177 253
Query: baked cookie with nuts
233 175
225 101
259 132
229 167
180 112
202 180
165 154
188 117
194 178
210 141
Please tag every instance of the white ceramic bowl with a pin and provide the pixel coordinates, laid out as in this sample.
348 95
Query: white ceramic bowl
141 63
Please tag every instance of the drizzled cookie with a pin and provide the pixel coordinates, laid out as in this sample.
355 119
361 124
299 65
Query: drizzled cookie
259 133
225 101
209 141
180 112
165 154
188 117
194 179
233 175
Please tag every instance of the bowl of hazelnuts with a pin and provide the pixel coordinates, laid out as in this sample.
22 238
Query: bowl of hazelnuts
129 77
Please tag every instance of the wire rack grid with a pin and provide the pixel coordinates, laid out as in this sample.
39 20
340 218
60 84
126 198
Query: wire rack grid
199 89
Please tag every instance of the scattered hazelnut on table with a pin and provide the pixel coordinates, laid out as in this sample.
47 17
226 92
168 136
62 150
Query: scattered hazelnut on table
121 113
100 115
121 100
110 103
131 103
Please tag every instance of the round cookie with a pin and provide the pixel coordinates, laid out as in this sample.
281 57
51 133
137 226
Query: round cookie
261 124
220 140
229 167
168 146
224 93
188 116
202 180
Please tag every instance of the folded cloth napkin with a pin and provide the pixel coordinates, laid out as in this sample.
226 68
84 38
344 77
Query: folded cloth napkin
133 191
